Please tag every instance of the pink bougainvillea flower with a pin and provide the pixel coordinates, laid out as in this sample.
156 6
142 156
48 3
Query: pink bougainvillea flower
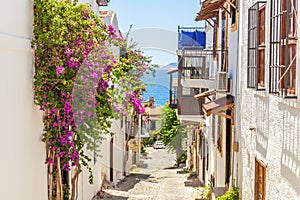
50 161
59 70
45 96
55 124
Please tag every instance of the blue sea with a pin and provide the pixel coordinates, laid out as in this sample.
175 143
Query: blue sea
158 87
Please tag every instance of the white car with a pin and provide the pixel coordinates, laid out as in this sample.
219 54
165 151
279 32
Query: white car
159 145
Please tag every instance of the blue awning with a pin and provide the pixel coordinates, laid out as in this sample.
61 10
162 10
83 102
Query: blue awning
193 38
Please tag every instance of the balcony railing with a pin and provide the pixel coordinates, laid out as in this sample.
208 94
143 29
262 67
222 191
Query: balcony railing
198 67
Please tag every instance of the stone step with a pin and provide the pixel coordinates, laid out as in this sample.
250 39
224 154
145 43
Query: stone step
219 191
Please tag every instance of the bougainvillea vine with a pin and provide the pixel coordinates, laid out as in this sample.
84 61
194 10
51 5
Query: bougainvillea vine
80 86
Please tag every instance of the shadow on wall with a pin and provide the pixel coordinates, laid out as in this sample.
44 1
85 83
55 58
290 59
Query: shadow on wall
262 125
290 157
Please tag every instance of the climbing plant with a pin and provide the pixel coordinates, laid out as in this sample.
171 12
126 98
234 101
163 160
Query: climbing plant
77 86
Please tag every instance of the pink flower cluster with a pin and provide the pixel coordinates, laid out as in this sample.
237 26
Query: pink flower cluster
136 102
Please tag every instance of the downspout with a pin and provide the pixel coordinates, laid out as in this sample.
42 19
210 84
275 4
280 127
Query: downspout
237 96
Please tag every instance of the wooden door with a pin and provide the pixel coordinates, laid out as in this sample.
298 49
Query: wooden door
260 180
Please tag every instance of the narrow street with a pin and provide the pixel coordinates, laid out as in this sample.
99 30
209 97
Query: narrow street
156 179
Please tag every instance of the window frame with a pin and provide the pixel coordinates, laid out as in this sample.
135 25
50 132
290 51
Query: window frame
282 64
256 47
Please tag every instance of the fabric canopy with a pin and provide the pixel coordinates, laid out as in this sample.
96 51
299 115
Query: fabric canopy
193 38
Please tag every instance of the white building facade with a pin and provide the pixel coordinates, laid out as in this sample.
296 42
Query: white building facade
218 165
268 98
22 152
23 170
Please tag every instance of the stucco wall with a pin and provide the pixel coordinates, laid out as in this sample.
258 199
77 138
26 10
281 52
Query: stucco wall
105 156
274 138
22 170
119 145
85 189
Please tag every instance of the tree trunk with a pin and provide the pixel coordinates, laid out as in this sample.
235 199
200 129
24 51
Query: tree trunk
74 181
50 175
59 191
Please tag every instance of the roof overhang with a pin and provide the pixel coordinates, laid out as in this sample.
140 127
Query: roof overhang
206 94
219 106
210 9
171 71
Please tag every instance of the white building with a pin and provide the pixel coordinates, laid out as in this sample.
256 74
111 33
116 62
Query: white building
114 159
23 171
217 153
268 91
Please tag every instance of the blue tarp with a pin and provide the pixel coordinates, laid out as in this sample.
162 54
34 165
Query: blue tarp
191 39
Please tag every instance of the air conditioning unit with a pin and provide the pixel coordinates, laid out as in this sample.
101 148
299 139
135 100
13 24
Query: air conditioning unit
222 82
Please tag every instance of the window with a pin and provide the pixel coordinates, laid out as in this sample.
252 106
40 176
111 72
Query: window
261 47
215 38
152 125
256 46
283 47
194 64
224 42
260 180
186 91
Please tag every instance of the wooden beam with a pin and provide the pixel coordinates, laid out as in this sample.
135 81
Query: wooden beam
226 10
209 23
224 115
228 1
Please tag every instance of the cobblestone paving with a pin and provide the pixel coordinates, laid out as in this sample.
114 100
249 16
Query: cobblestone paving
155 179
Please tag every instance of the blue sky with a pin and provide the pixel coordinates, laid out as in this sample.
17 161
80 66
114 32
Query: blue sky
157 21
166 14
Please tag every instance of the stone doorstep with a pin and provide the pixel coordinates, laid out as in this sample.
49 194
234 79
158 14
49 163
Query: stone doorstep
192 176
218 191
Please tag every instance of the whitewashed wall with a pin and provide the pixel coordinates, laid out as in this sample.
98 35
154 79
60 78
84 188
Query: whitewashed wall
119 136
119 146
275 139
22 170
86 190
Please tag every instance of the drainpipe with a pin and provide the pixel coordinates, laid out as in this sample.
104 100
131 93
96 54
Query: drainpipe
237 97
